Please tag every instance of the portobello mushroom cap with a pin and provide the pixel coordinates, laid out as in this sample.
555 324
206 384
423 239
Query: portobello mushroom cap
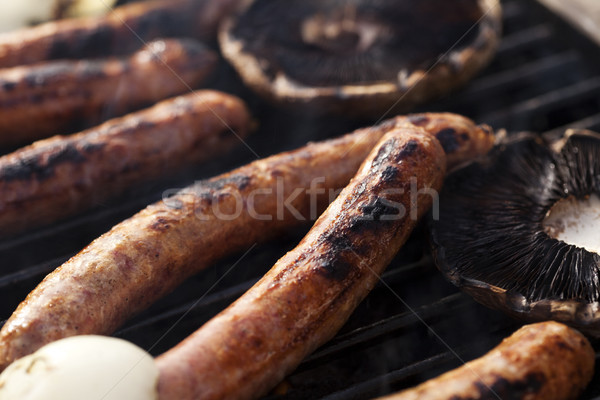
362 56
518 230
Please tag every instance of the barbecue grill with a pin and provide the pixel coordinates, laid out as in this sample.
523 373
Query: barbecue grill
414 325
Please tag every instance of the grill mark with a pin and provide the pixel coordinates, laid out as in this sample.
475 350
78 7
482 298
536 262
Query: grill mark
96 70
507 390
376 215
337 250
386 125
40 77
35 167
14 101
238 180
99 38
205 190
419 120
384 153
60 48
390 174
333 265
448 138
387 150
378 208
8 86
83 43
161 225
408 150
170 23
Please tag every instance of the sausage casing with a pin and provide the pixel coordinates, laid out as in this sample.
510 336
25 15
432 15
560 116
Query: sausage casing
543 361
310 292
63 175
148 255
116 33
63 96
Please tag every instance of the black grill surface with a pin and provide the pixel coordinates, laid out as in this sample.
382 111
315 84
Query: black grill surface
414 325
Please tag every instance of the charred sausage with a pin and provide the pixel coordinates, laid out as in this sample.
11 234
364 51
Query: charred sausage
117 33
63 175
148 255
62 96
545 361
309 293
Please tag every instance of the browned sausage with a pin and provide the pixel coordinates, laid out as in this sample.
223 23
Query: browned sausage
148 255
119 32
62 96
543 361
63 175
310 292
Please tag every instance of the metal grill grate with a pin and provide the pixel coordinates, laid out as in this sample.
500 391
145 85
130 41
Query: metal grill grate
545 77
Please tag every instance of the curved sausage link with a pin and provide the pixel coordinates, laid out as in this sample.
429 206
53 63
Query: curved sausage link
310 293
116 33
63 175
62 96
543 361
148 255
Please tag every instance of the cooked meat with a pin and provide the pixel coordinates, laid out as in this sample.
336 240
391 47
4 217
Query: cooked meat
311 291
148 255
63 175
61 96
545 361
119 32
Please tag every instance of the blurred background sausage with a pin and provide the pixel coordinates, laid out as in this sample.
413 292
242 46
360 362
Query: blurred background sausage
64 175
117 33
61 97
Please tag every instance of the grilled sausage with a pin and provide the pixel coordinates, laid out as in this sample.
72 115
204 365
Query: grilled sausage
117 33
63 175
310 293
545 361
62 96
148 255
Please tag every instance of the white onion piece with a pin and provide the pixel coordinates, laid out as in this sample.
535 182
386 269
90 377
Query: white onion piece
21 13
82 367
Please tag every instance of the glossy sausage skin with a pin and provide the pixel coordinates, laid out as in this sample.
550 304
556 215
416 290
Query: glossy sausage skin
543 361
117 33
62 96
148 255
63 175
309 293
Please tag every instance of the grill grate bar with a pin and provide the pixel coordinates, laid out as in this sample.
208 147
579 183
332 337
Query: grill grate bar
373 386
520 82
96 217
384 327
491 84
39 270
516 117
525 39
592 123
227 294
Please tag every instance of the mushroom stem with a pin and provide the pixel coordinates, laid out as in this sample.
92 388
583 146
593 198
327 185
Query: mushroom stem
342 30
575 221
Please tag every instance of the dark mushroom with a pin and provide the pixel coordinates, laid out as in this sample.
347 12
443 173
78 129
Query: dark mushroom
519 229
363 56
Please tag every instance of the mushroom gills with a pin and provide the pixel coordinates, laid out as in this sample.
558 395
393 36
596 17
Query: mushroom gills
339 42
517 230
363 55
